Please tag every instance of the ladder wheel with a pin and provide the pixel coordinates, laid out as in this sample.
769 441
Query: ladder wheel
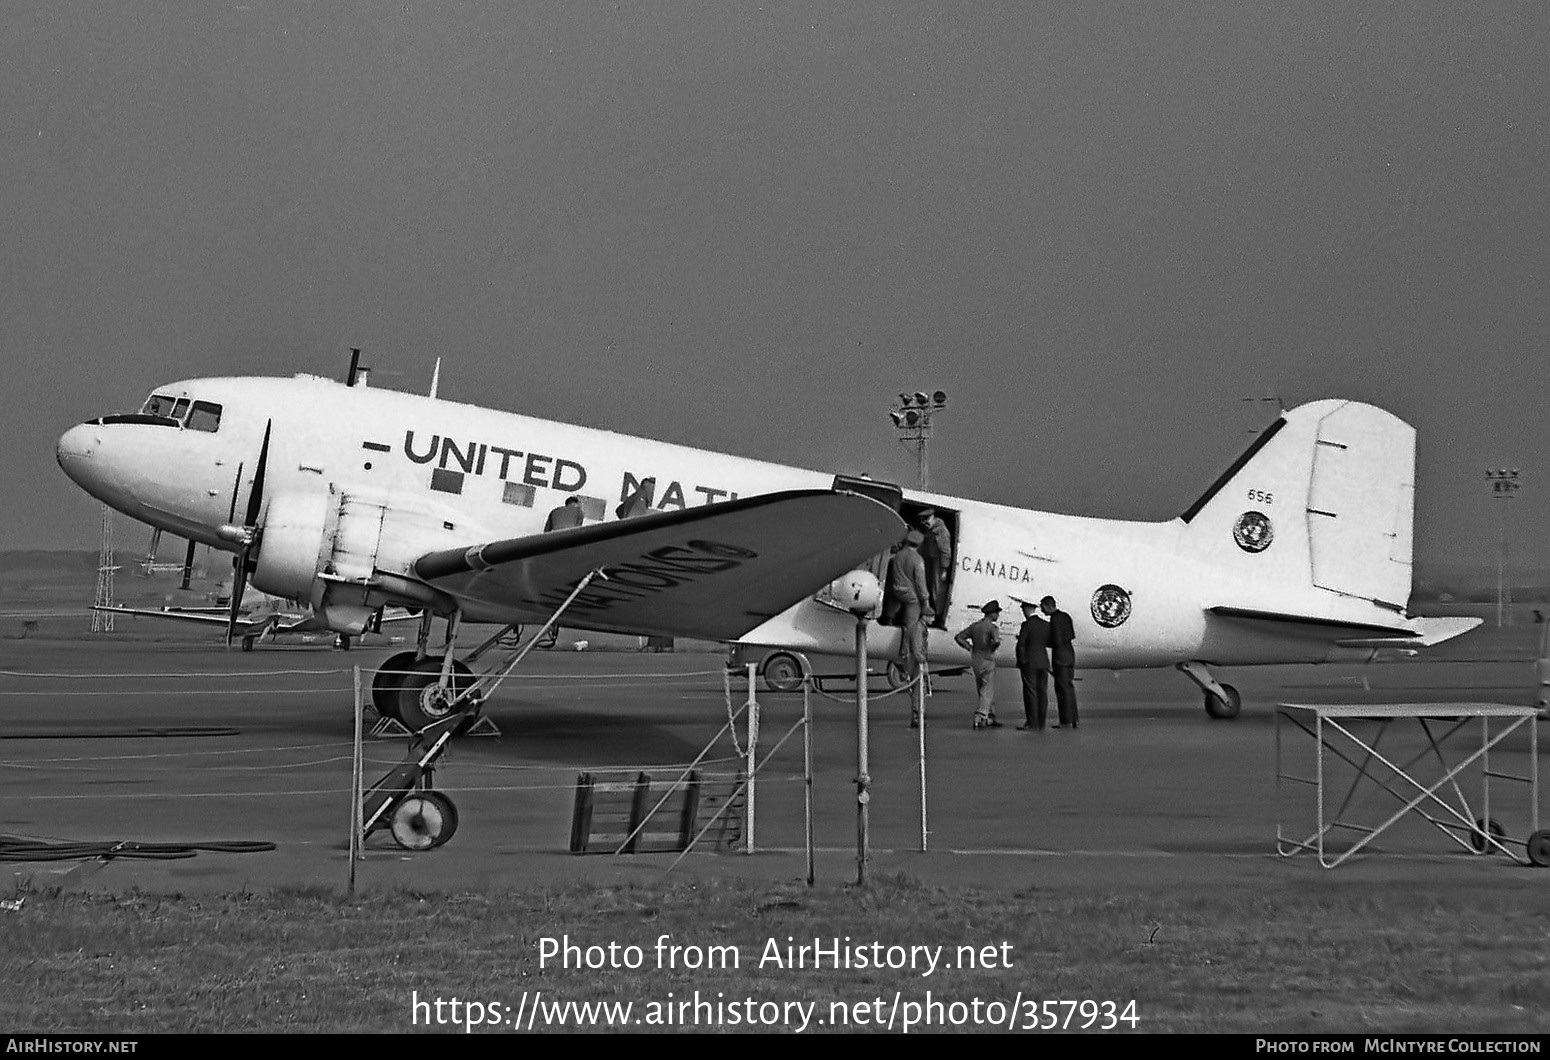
423 820
1539 848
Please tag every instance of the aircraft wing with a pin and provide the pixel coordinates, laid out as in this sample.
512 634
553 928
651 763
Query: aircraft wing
713 572
205 617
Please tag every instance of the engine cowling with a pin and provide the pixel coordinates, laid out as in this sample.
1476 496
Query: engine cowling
290 535
349 538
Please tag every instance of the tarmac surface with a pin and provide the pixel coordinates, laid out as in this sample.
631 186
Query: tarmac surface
112 738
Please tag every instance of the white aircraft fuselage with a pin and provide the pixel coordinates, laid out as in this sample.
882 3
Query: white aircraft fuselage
1301 553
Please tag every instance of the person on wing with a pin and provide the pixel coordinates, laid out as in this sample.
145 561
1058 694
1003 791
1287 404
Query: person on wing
1033 664
565 516
1062 657
639 502
981 639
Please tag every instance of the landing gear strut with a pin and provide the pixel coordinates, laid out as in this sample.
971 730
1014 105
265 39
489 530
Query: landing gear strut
1222 701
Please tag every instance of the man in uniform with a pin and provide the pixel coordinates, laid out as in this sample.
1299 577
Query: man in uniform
909 601
1062 657
1033 665
982 638
937 551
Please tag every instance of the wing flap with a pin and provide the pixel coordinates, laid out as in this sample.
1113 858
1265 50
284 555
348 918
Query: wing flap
712 572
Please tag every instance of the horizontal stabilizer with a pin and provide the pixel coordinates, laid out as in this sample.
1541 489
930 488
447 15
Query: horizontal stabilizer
713 572
1320 624
1433 631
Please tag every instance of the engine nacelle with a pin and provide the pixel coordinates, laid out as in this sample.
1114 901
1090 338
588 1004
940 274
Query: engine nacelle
348 538
288 546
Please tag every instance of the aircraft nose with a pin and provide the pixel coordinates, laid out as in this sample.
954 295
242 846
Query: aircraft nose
75 450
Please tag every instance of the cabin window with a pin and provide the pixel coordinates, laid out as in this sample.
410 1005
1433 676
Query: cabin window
205 416
518 493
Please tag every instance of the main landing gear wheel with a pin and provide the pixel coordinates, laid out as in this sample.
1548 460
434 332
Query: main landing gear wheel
1224 710
1483 827
423 820
1539 848
419 700
247 643
782 673
385 683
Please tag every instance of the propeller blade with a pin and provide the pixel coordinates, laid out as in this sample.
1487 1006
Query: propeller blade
240 568
239 586
188 565
236 488
256 496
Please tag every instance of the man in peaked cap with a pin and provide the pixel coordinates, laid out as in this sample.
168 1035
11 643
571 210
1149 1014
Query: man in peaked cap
937 551
981 639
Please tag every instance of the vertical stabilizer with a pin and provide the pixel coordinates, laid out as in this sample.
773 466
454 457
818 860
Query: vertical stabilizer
1324 498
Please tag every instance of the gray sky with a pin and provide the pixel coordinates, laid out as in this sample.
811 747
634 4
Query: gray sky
747 227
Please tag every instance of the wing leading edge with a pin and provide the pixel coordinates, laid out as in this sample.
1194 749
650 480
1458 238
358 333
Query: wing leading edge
713 572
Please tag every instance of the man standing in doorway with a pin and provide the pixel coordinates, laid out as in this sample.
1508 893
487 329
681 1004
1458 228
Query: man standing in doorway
937 551
981 639
1033 665
1062 657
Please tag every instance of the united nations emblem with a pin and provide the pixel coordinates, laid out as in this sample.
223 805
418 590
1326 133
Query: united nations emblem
1110 606
1253 532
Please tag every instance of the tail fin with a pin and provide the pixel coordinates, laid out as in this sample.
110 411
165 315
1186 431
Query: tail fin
1324 498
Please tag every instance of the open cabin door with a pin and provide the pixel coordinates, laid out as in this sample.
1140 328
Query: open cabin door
909 510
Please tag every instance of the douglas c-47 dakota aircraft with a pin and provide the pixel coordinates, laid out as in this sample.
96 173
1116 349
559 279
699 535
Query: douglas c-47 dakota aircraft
352 499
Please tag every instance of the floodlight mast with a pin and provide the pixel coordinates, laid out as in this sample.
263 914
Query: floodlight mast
912 419
1504 484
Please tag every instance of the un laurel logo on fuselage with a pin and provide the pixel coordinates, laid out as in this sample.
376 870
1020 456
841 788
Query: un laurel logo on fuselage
1253 532
1110 606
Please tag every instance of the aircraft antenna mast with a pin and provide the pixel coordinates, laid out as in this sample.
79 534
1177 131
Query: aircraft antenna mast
102 621
912 419
436 378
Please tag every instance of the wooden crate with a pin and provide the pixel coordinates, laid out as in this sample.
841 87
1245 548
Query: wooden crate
610 806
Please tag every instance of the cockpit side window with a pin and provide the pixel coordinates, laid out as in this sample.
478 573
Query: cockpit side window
157 405
205 416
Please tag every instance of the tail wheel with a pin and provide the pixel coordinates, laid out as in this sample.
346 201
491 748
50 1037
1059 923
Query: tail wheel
384 685
782 673
1224 710
423 820
897 678
419 698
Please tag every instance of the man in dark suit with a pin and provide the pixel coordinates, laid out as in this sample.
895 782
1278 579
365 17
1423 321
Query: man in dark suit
1033 663
1062 657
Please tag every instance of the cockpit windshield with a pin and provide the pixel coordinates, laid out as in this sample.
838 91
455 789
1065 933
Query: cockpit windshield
176 412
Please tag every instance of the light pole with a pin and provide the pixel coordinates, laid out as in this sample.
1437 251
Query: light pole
1504 484
912 418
